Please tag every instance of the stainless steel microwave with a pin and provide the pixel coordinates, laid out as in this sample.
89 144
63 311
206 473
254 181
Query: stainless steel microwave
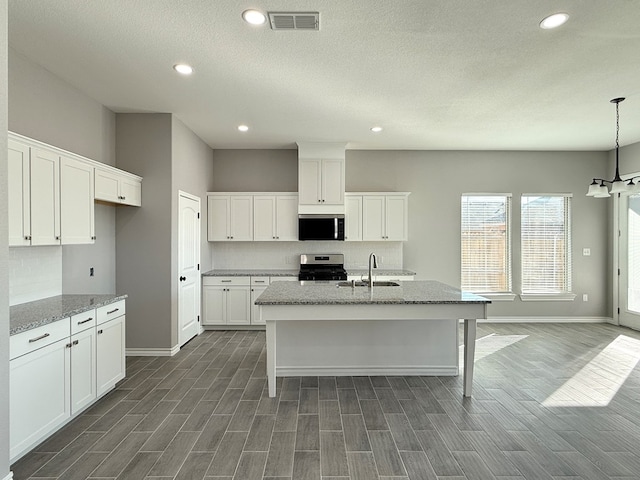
321 227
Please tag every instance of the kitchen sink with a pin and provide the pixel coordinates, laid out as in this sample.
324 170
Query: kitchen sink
366 284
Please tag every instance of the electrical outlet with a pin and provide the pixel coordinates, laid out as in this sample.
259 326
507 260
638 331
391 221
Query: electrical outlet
585 297
586 252
91 271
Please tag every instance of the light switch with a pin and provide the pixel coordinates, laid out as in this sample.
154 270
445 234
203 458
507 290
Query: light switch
586 252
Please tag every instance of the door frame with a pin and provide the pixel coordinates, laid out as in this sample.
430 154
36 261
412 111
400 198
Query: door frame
616 233
198 287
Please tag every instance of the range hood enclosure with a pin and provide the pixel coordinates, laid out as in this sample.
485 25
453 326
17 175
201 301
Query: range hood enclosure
321 178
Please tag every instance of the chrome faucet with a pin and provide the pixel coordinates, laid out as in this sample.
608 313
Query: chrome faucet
371 267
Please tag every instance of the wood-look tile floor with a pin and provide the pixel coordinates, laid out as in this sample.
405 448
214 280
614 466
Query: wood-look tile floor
550 401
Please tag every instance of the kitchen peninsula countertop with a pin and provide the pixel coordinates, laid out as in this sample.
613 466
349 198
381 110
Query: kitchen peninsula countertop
413 292
27 316
294 273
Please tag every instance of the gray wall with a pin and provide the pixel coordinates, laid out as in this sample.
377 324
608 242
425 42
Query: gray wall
143 235
255 171
4 254
44 107
192 167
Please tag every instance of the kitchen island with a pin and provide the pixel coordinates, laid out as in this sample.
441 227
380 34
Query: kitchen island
409 329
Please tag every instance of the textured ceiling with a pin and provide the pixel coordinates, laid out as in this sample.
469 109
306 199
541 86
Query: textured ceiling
435 74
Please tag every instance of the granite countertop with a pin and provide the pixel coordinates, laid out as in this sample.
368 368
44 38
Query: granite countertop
294 273
412 292
251 273
27 316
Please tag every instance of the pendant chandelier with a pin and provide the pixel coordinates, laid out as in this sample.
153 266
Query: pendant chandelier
598 189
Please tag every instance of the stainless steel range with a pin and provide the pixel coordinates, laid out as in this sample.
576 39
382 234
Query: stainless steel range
322 267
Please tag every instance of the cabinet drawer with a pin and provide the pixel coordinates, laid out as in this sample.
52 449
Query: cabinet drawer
36 338
111 311
257 281
83 321
240 281
283 279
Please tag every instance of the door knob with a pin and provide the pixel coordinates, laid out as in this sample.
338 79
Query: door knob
182 279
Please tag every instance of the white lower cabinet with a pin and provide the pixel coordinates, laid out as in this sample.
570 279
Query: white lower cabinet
59 369
40 386
229 301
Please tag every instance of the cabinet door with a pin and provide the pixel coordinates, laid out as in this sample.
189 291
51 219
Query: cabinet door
131 192
39 385
107 186
310 181
287 218
83 369
264 217
333 181
45 197
217 218
19 194
110 353
241 217
213 305
396 217
255 309
237 303
76 202
353 218
373 217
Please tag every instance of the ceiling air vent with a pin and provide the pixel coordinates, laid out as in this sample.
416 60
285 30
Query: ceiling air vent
294 20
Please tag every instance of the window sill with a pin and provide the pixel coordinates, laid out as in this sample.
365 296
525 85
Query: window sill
547 297
498 297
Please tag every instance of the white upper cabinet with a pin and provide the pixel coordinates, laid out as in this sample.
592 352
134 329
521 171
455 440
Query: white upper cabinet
321 177
19 194
321 181
353 218
385 217
275 217
115 187
45 197
76 202
229 217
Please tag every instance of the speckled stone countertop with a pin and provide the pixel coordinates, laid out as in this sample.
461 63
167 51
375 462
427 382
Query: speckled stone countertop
380 271
30 315
413 292
294 273
251 273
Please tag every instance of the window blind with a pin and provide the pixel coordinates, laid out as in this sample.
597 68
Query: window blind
485 243
546 243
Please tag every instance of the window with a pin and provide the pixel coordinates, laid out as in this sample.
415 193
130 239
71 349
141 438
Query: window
486 247
546 245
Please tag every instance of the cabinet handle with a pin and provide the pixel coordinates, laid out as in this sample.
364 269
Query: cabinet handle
31 340
260 281
58 237
113 311
68 345
27 237
85 321
182 279
99 332
225 281
319 200
323 200
93 238
75 342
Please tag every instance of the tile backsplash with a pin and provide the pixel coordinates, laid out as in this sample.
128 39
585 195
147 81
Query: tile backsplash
286 255
34 273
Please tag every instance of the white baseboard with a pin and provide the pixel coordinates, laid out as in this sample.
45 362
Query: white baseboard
152 352
314 371
547 320
8 477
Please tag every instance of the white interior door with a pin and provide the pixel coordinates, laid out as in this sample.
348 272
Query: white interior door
629 261
188 267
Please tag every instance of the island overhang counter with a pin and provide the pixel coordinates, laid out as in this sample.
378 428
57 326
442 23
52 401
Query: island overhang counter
411 329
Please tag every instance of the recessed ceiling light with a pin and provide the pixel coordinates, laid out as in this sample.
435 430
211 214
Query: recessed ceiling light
553 21
376 129
243 128
183 68
254 17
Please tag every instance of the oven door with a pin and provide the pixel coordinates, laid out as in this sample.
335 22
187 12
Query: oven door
321 227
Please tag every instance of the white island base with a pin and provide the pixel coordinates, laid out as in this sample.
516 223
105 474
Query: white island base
369 339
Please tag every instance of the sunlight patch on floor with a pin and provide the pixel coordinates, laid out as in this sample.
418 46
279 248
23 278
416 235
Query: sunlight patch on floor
597 382
491 344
